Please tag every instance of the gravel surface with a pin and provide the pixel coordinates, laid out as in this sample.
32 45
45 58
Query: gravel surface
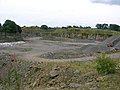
33 48
117 45
95 48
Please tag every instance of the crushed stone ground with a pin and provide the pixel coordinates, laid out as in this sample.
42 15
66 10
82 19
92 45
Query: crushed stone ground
34 47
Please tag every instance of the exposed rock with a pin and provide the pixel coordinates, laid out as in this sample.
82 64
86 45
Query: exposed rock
54 73
52 82
51 88
89 77
74 85
1 87
100 79
56 68
37 68
94 88
63 85
77 72
36 83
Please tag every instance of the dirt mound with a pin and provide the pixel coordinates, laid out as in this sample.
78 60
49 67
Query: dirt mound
117 45
112 40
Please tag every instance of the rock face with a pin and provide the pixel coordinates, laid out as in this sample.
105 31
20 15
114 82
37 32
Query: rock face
10 37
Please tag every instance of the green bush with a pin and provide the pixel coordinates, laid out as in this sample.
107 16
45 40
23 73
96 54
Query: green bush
105 65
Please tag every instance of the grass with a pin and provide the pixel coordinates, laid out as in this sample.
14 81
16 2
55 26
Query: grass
83 66
10 79
87 31
74 30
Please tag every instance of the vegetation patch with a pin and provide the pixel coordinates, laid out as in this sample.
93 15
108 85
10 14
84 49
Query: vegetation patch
26 75
105 65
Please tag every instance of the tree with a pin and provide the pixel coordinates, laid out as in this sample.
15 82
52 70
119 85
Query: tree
104 26
69 26
0 27
10 27
99 26
63 27
45 27
86 27
80 26
75 26
114 27
19 29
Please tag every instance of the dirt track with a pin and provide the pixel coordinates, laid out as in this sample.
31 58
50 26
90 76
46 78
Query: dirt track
34 47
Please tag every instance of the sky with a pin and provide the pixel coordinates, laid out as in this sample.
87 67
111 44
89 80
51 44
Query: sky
60 12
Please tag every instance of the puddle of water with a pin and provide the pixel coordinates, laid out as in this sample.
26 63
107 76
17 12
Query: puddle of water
11 43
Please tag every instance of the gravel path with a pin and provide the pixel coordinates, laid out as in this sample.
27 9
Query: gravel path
34 57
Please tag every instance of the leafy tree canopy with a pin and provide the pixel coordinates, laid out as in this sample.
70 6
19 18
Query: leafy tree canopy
110 26
11 27
102 26
0 27
45 27
115 27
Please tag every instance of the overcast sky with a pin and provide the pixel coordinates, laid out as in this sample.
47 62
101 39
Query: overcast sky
60 12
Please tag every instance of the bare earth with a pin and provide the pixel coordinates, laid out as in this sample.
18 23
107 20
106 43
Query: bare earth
34 47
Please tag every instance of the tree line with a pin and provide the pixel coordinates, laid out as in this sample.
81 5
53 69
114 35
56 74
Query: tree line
104 26
108 26
11 27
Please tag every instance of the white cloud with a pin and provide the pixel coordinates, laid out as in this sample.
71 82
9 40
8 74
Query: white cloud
57 12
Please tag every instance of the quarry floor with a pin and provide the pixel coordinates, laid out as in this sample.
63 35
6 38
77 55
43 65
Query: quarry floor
33 48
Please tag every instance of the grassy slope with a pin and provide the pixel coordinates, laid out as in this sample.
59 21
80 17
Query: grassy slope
73 30
86 31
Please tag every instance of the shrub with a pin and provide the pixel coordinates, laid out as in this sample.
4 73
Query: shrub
45 27
105 65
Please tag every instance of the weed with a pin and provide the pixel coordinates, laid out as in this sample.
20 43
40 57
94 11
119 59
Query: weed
105 65
11 78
